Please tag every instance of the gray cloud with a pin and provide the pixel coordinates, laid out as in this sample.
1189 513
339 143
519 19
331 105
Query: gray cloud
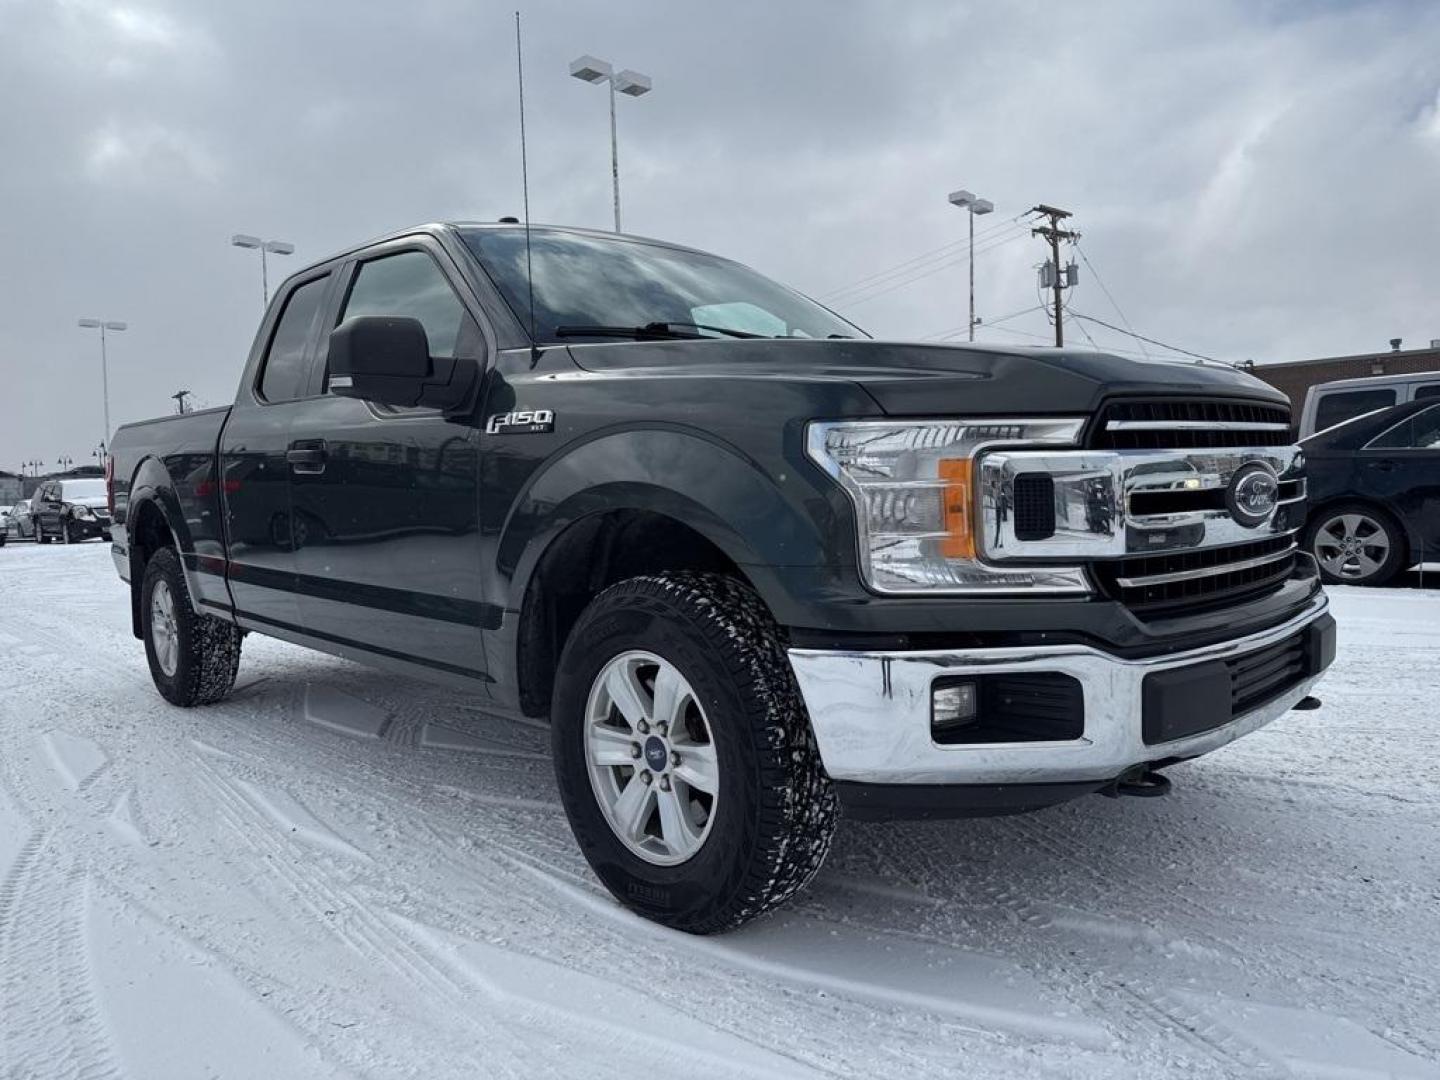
1252 180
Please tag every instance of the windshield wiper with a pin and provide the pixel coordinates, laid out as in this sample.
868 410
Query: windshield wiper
678 331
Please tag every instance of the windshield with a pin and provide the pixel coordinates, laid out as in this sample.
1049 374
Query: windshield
82 489
611 282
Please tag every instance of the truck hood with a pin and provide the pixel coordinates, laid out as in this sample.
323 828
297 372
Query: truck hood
913 379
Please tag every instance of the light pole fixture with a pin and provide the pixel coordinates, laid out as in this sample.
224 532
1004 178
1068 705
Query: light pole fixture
66 461
631 83
103 325
976 205
34 465
273 247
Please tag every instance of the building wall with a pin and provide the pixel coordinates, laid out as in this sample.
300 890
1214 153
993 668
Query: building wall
1295 379
11 489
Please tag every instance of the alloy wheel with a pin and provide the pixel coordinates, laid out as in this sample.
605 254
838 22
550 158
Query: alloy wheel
164 631
1352 546
651 758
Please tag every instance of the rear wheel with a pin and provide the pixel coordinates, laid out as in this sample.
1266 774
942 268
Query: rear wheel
684 754
193 658
67 534
1356 544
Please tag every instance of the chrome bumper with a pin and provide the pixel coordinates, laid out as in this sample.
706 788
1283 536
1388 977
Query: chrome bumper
871 711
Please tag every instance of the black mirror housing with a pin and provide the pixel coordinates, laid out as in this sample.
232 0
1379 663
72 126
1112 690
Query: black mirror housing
387 359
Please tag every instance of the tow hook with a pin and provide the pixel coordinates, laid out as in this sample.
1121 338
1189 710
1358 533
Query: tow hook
1140 783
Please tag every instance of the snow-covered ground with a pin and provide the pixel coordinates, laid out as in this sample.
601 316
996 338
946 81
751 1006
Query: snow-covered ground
341 873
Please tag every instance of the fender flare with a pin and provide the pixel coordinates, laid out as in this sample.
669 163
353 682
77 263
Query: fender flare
151 485
762 524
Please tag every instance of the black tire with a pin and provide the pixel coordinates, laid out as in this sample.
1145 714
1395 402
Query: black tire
208 653
40 536
67 536
1396 549
776 811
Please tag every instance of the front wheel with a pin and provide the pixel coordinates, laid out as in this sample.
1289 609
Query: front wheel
193 658
1356 544
684 755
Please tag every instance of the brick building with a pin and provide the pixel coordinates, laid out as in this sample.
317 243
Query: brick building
1294 379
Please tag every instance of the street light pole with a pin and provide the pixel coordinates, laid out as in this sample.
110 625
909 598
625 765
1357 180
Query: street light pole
102 326
274 247
970 201
632 83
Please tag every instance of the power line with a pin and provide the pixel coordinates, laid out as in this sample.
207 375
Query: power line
1101 282
997 242
946 335
1141 337
952 248
948 254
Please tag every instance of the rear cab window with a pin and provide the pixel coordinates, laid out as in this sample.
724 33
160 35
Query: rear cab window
1428 390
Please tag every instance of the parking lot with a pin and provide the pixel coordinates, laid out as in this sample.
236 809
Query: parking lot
339 872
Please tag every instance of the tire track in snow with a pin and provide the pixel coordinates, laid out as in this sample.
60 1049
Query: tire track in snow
348 917
52 1024
1103 870
1140 1009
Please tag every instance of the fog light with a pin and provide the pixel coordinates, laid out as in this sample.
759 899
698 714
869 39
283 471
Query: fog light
952 706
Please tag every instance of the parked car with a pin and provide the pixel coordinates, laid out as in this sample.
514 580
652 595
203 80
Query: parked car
4 524
1328 404
753 566
71 511
22 520
1375 494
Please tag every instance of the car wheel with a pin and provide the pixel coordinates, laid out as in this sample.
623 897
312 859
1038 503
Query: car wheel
67 536
41 537
193 658
1356 544
684 754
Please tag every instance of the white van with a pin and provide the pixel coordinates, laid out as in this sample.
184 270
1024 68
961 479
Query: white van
1331 403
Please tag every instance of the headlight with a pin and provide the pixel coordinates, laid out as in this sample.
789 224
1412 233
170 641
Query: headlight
913 486
81 512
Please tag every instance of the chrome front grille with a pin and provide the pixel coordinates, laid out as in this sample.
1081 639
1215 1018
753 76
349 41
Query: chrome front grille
1153 506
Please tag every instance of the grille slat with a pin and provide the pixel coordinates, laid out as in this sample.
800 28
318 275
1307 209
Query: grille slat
1187 413
1212 585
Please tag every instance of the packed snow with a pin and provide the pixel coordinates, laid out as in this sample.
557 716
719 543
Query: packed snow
338 873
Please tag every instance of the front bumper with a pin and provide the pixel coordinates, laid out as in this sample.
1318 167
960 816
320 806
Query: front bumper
871 710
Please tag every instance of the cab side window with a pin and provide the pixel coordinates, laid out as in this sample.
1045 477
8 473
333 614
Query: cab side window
1418 432
285 373
409 284
1429 390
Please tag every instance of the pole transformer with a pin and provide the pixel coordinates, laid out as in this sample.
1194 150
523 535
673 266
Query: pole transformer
1053 234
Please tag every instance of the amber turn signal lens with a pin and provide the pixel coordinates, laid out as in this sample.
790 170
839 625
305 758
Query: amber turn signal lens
959 540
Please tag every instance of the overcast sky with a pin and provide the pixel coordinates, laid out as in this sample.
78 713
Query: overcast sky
1252 179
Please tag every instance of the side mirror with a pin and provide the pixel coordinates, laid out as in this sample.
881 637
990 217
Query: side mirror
387 359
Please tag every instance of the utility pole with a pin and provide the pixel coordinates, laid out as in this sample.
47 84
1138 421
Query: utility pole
1054 234
180 406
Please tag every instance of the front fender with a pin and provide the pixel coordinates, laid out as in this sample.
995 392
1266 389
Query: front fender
766 518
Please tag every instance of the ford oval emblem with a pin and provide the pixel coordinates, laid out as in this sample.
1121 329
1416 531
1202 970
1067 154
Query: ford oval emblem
1253 494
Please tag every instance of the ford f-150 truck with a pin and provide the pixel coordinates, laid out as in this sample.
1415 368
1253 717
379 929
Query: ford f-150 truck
752 565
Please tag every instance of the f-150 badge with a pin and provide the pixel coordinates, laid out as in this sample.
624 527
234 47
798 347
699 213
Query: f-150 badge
521 422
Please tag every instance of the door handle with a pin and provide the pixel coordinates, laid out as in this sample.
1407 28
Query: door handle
306 457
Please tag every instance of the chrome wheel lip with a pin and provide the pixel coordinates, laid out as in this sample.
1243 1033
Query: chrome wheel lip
1351 546
164 633
651 792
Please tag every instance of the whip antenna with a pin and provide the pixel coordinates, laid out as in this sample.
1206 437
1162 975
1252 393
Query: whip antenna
525 193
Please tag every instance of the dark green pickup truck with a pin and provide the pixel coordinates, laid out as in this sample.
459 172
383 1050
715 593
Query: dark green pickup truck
754 566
